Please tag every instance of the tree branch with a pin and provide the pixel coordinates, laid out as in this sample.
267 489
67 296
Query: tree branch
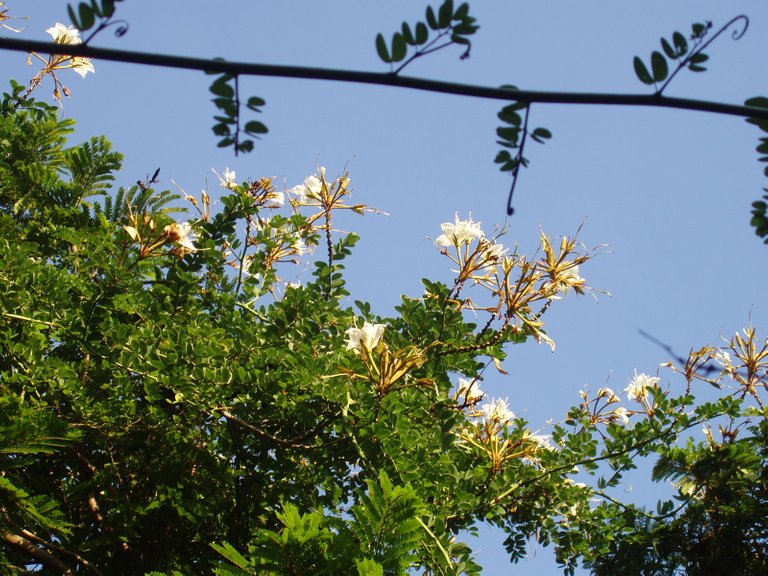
39 554
381 79
59 549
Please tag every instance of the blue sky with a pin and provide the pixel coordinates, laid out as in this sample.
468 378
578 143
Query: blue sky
668 191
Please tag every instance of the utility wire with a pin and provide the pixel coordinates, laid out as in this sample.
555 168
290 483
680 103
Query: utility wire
380 79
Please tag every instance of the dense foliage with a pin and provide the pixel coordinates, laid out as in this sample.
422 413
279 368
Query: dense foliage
170 404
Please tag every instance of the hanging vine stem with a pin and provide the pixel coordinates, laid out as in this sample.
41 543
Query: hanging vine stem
520 160
237 115
122 28
736 35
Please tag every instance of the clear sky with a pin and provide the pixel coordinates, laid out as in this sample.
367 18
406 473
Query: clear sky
669 191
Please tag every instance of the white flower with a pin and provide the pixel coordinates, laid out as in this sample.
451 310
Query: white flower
277 199
181 234
82 66
246 265
70 35
639 385
723 358
543 441
63 34
609 394
229 180
621 415
497 412
309 192
469 391
494 250
299 247
365 338
491 253
4 17
569 278
459 232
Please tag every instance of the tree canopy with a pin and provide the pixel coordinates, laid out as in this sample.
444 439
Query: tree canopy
173 405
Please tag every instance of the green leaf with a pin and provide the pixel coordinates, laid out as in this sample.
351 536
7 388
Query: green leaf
541 134
408 35
510 116
509 134
698 29
422 33
461 12
642 72
668 50
369 567
255 127
107 8
254 102
381 48
87 17
464 29
95 8
73 17
221 88
659 67
229 552
432 19
680 43
245 146
698 58
221 129
399 47
757 102
445 14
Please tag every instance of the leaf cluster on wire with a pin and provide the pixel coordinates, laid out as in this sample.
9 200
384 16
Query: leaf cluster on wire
88 13
685 52
443 28
759 219
453 25
229 128
512 137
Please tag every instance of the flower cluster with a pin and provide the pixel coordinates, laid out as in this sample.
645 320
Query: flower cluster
521 290
364 339
310 192
497 413
4 17
328 195
143 230
182 235
64 35
469 391
601 409
459 232
640 386
466 244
